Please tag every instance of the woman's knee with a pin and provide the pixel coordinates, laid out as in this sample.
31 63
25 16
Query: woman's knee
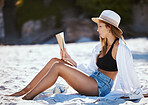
57 66
54 59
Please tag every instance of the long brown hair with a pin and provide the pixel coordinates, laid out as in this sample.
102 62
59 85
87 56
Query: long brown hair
103 41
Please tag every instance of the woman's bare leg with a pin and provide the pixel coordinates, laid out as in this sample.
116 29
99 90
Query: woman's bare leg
38 77
76 79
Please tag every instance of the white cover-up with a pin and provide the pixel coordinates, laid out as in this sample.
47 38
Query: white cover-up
126 79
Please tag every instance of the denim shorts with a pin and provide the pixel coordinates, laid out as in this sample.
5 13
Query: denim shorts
104 83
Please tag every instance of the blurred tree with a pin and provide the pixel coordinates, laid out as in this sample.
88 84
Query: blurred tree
40 9
1 20
95 7
9 14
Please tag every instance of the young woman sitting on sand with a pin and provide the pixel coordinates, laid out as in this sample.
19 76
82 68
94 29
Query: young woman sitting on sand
110 70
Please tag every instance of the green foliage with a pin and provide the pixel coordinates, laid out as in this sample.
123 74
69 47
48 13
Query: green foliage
95 7
36 10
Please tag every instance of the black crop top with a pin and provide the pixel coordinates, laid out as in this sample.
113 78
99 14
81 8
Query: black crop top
107 62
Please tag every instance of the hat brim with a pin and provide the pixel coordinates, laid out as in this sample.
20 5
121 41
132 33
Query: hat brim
96 20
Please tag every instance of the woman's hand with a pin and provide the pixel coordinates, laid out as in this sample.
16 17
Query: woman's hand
66 57
61 53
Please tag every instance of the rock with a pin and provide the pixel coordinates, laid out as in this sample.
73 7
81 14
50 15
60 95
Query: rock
128 32
140 16
39 31
77 27
31 27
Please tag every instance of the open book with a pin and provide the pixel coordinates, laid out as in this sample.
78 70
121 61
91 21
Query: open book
61 41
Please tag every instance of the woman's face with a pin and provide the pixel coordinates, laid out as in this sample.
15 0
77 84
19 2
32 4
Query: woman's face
102 29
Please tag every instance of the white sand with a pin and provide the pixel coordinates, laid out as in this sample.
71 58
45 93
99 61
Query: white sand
19 65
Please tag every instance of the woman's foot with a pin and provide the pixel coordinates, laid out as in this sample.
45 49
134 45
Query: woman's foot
20 93
27 98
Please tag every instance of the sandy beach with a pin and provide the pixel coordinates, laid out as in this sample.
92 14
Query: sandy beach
20 63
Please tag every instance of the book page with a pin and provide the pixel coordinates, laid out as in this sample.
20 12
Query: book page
61 41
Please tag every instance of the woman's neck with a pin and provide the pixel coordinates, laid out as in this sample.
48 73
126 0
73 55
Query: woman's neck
110 40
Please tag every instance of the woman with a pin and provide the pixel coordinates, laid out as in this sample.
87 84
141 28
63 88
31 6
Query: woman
109 63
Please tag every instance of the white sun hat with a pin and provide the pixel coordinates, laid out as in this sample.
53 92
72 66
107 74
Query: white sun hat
110 17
